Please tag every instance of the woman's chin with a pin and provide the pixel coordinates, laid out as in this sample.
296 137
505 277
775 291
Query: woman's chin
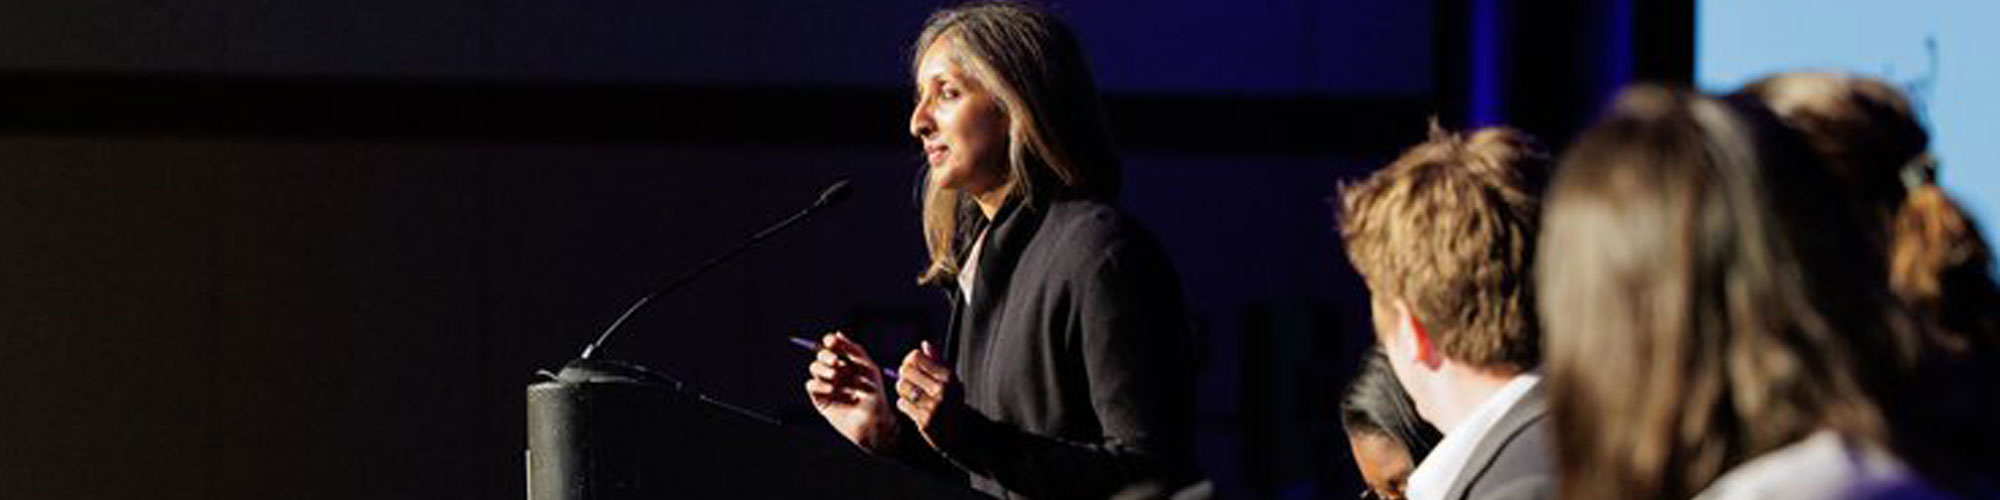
963 180
948 179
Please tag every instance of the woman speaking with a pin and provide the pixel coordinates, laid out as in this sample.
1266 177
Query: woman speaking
1067 369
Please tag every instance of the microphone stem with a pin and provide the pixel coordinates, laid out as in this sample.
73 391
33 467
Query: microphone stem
689 275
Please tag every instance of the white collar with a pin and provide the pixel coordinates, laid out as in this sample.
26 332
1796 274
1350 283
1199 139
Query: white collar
1433 478
968 271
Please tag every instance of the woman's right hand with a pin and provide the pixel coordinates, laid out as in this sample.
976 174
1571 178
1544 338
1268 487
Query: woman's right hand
846 388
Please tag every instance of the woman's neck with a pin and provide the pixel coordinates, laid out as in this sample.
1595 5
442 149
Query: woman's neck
991 200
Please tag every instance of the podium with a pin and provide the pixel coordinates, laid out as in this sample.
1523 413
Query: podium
604 430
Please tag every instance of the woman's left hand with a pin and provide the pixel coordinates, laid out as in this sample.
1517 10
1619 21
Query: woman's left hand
929 394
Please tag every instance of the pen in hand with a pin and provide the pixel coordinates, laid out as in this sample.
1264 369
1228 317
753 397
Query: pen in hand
809 345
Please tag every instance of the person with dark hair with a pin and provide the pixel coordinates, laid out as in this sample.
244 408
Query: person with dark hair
1067 370
1443 236
1867 133
1712 328
1384 432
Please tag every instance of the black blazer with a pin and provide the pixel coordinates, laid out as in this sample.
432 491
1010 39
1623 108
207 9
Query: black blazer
1075 356
1514 459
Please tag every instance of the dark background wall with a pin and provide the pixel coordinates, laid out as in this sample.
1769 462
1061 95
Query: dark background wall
317 250
1257 47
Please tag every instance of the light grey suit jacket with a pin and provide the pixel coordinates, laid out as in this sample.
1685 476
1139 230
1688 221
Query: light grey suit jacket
1515 460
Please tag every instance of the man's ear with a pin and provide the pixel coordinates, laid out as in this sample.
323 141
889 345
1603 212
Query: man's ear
1427 355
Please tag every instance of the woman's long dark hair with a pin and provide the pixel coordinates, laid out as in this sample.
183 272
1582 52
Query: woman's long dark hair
1377 404
1868 134
1940 267
1702 306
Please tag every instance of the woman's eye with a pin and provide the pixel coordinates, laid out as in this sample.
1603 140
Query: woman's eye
949 94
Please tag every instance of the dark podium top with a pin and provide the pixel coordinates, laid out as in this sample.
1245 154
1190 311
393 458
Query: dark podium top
609 431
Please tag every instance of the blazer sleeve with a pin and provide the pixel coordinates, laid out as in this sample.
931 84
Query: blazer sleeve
911 449
1130 328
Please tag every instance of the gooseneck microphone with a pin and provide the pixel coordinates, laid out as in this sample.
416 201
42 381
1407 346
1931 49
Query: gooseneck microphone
832 195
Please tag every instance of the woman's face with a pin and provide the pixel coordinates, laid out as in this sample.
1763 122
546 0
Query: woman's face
1385 464
961 123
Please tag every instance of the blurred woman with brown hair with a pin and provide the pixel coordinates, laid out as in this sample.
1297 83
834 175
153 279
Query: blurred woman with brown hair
1940 267
1867 133
1711 329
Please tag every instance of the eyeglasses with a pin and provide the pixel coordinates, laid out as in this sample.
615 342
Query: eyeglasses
1371 494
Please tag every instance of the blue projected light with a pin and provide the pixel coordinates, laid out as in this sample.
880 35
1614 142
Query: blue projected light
1939 51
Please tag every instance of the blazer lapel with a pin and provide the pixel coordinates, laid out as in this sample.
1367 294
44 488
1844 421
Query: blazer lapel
1005 236
1526 411
1013 226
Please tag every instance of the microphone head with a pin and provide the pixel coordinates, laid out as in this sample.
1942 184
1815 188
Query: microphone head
835 193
